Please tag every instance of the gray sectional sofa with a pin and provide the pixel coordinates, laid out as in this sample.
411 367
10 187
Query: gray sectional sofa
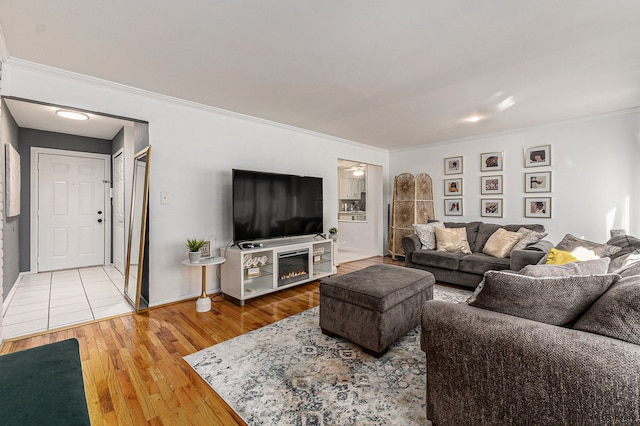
467 269
487 367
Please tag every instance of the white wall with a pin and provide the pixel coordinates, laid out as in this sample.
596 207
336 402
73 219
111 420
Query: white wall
194 149
594 165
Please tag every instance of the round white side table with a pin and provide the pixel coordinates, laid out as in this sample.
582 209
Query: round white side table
203 304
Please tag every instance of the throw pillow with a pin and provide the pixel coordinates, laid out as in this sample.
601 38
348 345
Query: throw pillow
427 234
627 244
528 237
452 239
624 262
616 313
588 267
571 243
551 300
500 243
559 257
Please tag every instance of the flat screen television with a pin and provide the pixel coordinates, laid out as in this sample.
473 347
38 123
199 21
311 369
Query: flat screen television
273 205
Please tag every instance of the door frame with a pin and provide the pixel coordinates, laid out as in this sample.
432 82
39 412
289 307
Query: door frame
35 192
119 152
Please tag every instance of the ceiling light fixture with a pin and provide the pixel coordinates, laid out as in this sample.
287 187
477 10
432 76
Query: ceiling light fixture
474 119
72 115
358 172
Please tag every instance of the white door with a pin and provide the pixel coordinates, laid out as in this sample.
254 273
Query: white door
71 215
118 213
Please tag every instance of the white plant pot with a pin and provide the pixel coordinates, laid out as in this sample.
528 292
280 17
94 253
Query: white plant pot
334 237
194 256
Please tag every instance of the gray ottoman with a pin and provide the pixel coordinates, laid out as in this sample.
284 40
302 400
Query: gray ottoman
375 306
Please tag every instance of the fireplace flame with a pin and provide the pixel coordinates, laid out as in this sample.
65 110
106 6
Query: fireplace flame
293 274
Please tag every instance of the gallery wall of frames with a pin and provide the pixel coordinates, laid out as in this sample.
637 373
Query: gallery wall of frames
536 176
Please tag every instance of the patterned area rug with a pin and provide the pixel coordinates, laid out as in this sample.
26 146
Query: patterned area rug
289 373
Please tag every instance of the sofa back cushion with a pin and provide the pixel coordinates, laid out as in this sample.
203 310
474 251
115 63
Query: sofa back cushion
470 227
577 245
627 243
616 313
588 267
551 300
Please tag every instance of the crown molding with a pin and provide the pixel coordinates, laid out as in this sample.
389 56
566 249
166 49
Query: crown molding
4 50
60 73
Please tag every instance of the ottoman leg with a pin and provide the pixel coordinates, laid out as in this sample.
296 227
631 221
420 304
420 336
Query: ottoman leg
328 333
375 354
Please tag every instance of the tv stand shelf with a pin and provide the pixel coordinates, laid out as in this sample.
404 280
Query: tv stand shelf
277 265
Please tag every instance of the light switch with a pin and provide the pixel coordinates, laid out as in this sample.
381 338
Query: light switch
164 198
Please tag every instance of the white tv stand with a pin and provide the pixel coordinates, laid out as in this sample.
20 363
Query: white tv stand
276 265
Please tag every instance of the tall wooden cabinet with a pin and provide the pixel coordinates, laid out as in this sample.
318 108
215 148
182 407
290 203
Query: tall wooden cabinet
412 203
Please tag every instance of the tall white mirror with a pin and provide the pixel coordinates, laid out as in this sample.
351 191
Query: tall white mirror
137 269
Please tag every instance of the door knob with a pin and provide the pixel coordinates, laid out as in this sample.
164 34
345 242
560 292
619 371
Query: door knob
99 220
99 211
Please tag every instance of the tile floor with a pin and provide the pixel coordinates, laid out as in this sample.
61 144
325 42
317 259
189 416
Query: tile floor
57 299
349 254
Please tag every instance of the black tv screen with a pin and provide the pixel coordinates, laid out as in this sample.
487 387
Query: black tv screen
273 205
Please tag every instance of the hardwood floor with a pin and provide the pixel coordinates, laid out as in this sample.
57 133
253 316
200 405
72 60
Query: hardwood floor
133 369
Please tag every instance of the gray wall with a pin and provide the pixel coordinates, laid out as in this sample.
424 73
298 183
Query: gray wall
140 136
10 235
37 138
117 142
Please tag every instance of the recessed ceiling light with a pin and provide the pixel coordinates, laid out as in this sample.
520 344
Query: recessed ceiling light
473 118
72 115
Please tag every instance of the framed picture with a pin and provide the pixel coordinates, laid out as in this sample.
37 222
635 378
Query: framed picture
537 156
453 165
537 182
491 184
491 161
453 187
206 250
491 207
537 207
12 181
453 207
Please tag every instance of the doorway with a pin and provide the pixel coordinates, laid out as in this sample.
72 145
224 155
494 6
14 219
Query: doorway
360 211
71 214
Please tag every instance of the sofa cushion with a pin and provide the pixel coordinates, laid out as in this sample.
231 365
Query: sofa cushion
453 239
438 259
479 263
427 233
528 237
588 267
559 257
470 227
578 246
616 313
500 243
551 300
531 226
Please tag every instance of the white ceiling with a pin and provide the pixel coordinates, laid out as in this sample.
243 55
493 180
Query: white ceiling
386 73
43 117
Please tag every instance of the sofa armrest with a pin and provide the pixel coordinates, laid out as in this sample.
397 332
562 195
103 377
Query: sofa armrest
484 367
410 243
530 255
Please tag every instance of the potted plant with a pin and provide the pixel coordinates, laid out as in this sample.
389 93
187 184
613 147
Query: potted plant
333 233
194 245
